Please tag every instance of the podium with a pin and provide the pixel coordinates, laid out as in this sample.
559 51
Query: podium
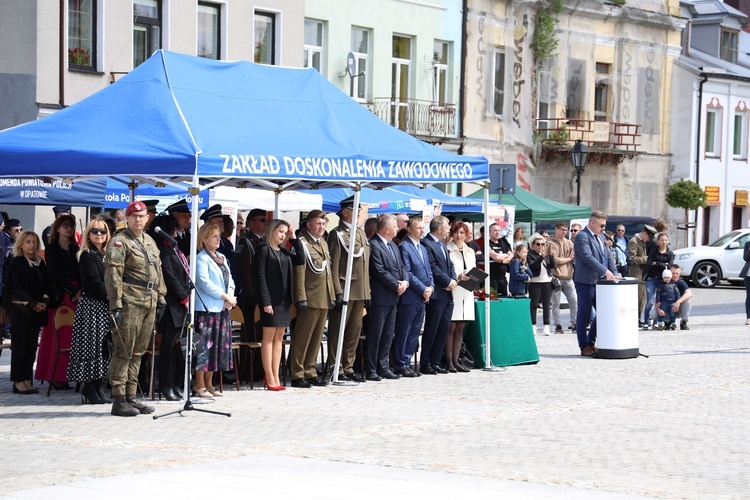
617 319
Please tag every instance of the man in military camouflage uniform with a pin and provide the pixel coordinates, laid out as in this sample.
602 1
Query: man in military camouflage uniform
359 292
136 291
314 295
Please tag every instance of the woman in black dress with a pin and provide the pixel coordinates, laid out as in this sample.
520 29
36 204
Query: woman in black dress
273 284
27 286
660 257
88 361
173 265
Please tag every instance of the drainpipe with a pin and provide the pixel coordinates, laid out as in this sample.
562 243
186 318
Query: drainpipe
462 89
704 79
61 81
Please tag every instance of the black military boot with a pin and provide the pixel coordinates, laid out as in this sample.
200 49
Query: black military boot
143 408
121 408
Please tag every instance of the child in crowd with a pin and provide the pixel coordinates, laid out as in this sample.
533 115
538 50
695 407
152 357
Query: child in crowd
667 294
520 274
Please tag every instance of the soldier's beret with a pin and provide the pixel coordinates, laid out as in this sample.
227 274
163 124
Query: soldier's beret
134 206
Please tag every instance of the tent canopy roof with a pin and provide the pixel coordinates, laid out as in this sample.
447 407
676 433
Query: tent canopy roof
181 117
532 208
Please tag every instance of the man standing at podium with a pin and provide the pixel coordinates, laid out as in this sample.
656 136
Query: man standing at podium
592 263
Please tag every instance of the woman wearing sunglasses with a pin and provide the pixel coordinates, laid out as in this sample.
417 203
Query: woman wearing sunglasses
540 288
89 355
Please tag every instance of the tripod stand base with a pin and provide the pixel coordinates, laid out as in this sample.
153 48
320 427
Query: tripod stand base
189 407
348 383
496 369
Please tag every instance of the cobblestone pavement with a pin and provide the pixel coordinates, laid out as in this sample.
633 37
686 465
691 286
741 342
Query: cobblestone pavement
671 425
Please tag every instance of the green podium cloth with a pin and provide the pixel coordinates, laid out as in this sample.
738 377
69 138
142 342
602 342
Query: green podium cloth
512 340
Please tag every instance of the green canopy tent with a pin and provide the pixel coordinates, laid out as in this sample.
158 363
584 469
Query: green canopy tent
532 208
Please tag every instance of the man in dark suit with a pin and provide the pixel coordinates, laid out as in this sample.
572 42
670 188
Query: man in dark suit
246 245
592 262
440 308
388 281
411 305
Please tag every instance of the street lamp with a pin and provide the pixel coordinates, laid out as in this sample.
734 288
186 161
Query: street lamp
578 157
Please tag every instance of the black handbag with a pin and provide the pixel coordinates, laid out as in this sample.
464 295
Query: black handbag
465 357
556 285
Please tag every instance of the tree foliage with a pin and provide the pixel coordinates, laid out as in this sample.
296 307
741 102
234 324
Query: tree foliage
686 194
545 41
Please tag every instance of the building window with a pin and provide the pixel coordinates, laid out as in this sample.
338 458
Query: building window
645 195
601 93
739 143
209 35
713 132
498 81
547 95
600 195
729 41
440 72
265 38
82 33
360 48
146 29
313 44
400 80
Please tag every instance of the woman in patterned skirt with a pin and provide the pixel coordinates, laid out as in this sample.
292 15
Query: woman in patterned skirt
88 362
213 322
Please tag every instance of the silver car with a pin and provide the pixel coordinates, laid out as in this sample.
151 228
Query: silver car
706 265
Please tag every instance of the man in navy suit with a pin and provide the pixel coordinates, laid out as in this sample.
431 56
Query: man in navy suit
592 263
439 309
411 305
388 281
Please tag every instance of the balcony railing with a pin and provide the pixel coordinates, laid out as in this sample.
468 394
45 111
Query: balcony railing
426 119
605 137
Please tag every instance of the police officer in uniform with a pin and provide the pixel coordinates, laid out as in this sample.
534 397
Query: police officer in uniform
136 293
314 295
359 292
246 245
181 212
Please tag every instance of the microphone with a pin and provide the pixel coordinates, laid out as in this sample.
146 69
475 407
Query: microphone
165 235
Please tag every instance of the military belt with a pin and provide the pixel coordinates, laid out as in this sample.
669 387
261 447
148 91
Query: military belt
151 285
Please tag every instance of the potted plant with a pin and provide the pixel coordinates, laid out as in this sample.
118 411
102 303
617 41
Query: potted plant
78 57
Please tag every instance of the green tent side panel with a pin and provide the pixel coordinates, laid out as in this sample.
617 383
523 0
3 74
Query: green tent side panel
533 208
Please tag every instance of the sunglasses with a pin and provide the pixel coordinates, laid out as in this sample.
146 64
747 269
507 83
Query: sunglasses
602 226
574 230
68 226
96 230
539 244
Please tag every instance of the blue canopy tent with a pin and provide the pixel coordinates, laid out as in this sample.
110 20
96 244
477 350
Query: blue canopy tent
179 118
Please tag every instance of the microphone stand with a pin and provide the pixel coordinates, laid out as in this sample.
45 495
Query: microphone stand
189 354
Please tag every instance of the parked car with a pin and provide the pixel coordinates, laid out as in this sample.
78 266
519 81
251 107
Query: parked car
706 265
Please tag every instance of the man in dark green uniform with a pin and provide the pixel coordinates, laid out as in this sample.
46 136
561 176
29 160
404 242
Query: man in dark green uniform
136 293
314 295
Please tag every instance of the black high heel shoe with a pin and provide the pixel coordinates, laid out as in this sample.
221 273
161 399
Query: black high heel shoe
89 395
99 386
177 392
168 394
